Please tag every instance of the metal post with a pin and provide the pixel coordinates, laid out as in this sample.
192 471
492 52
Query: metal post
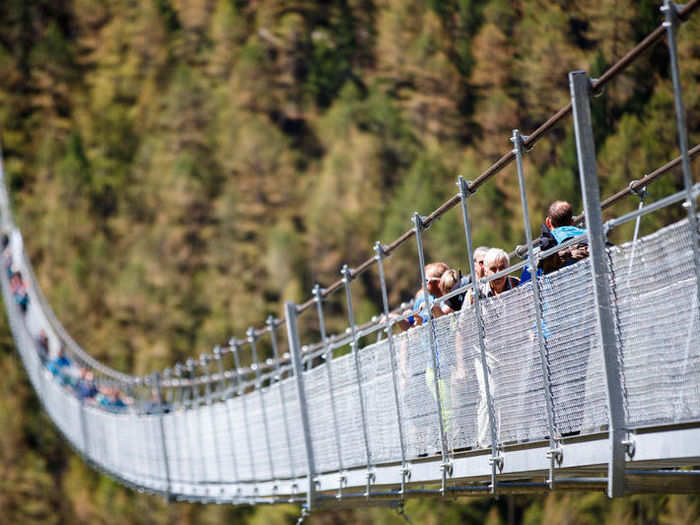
241 394
204 363
496 459
139 438
222 384
275 353
167 373
347 278
446 466
554 453
161 423
671 24
179 369
328 355
258 386
84 430
580 86
405 469
295 352
195 399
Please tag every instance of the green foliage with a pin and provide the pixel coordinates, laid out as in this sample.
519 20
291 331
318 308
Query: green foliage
168 14
181 168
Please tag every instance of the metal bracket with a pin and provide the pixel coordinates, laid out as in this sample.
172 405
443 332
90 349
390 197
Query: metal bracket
523 139
463 186
608 226
405 476
380 250
342 483
596 92
557 454
498 461
371 478
419 222
674 8
446 469
318 292
630 447
346 272
639 192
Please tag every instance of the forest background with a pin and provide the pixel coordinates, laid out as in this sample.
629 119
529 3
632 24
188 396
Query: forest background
180 168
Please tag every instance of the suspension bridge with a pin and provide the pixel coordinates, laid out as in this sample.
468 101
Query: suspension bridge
587 378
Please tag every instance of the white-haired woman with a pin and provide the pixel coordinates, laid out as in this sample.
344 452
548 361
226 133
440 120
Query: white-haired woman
497 260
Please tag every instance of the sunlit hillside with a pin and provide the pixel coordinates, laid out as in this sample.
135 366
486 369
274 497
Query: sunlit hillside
180 168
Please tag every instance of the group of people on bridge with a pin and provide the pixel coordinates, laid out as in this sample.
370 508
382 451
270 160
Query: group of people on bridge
441 279
69 373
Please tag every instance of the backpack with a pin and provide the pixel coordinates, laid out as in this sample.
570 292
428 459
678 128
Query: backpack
564 257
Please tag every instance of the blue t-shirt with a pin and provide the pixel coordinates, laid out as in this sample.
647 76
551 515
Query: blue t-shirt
416 308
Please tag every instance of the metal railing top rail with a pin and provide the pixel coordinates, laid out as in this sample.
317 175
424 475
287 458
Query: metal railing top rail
528 141
634 186
337 340
644 181
333 341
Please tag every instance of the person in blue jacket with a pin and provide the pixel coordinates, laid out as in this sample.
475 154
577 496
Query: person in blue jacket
558 227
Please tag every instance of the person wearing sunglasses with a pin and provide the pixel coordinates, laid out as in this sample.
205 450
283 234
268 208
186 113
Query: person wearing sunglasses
453 279
433 273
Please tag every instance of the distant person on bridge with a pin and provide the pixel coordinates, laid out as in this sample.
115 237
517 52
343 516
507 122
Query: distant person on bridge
433 273
558 227
19 290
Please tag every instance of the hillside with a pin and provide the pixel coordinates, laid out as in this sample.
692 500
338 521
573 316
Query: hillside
180 168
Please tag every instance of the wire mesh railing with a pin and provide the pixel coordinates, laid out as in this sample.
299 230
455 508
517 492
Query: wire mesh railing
568 353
